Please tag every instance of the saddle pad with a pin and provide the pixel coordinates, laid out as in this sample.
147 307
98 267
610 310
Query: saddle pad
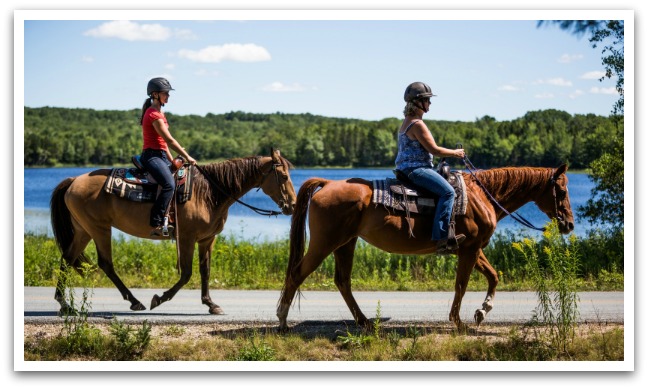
406 198
134 185
128 184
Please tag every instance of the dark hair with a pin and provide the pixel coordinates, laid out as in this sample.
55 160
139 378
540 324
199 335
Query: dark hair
147 105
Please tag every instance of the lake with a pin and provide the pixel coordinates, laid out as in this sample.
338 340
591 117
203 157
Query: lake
243 223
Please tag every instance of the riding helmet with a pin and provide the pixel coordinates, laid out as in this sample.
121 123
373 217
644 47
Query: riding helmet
158 84
417 90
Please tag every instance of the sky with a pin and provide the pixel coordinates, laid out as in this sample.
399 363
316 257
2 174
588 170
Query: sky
345 64
484 62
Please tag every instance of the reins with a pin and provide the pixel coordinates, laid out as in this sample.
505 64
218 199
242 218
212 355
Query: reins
263 212
515 216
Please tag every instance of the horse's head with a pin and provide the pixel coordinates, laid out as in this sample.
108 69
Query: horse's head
554 200
276 183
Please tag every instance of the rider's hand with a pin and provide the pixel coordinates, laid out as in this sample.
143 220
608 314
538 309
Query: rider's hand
191 160
460 153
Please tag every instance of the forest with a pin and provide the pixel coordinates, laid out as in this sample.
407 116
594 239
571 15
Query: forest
87 137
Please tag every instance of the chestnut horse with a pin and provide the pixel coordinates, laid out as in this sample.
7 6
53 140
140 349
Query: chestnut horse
341 211
82 211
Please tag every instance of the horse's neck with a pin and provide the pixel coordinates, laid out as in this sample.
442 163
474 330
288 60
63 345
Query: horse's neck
514 187
236 184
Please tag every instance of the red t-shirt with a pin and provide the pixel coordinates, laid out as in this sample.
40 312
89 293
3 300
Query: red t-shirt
152 140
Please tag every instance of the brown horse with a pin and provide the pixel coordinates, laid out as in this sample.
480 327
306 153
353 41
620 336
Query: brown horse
341 211
82 211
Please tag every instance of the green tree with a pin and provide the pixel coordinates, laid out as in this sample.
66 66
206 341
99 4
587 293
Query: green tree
606 204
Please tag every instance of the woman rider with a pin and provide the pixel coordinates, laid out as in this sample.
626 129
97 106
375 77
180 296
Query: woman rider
416 148
156 156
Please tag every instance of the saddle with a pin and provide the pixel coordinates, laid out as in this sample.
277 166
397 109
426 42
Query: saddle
136 184
401 194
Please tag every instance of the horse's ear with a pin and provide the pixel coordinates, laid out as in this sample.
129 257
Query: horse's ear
559 171
275 154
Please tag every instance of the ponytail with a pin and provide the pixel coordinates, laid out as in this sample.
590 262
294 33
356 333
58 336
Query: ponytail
147 105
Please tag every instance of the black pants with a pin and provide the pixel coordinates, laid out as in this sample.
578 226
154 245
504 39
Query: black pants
158 166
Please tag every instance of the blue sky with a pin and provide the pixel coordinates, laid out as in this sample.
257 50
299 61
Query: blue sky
341 68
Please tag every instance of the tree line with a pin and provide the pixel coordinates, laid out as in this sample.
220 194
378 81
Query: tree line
82 137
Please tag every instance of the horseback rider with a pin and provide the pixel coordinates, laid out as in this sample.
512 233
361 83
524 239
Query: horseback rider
416 148
156 156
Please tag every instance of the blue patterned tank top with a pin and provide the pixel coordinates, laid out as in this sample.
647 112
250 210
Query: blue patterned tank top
411 153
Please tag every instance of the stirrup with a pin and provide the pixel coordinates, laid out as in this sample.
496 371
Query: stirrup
447 246
164 231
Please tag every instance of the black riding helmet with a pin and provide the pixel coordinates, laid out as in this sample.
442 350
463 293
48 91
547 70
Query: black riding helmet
158 84
416 92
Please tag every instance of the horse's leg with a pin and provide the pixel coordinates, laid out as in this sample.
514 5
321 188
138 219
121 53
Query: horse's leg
313 258
104 255
70 258
465 265
204 255
343 267
187 247
485 268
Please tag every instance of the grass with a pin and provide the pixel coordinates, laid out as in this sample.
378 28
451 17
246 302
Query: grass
552 267
262 265
394 342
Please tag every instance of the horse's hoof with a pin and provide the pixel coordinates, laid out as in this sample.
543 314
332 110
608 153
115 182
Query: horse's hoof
216 310
283 329
138 307
155 301
480 315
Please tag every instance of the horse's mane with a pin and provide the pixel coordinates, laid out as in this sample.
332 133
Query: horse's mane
230 175
507 181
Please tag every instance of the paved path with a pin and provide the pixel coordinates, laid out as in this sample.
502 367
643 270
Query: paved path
260 306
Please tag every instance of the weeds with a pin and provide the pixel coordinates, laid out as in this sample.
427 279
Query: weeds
554 275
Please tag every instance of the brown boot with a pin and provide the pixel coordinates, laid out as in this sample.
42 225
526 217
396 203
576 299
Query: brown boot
448 246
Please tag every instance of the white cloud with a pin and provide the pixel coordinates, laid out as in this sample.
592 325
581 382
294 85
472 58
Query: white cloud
228 52
576 93
508 88
281 87
544 96
569 58
558 81
169 66
604 91
130 31
593 75
87 58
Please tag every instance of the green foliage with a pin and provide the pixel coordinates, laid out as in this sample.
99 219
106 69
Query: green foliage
607 202
79 337
130 343
262 265
254 351
554 276
61 136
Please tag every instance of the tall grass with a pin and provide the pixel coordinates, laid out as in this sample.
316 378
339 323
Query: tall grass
239 264
553 271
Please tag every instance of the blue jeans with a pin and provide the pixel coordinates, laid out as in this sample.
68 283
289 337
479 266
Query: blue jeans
428 178
157 164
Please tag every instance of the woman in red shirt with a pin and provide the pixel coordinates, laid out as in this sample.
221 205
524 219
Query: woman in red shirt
156 156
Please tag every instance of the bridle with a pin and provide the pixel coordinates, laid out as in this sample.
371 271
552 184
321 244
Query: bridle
515 216
263 212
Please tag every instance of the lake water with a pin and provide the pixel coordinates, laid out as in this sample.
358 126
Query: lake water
243 223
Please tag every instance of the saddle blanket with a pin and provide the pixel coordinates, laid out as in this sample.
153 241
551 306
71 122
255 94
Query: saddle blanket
139 186
395 194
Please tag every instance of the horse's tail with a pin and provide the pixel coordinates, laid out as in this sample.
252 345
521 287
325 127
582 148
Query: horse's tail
62 220
298 226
